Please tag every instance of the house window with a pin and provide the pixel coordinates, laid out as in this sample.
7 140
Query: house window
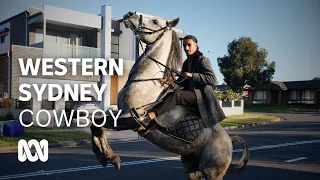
114 40
259 95
4 38
294 95
47 105
114 47
38 35
307 95
301 97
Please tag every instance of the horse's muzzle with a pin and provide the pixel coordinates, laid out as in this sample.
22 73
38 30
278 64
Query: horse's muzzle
127 24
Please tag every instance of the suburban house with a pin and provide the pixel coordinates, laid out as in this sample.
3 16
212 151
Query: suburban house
287 92
62 33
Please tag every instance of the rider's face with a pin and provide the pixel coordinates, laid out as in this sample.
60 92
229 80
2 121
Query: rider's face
189 46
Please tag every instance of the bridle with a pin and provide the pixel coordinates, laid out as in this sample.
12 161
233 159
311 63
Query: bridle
141 30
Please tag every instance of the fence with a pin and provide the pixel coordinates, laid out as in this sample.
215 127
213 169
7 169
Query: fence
232 107
62 50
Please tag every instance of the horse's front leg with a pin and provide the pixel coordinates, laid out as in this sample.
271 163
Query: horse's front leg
101 147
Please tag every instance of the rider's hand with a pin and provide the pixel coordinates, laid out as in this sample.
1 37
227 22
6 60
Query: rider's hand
188 74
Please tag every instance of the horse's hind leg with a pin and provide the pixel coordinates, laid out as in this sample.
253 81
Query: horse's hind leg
191 166
213 167
216 155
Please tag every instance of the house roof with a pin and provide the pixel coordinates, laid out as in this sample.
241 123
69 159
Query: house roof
31 12
12 17
287 85
312 84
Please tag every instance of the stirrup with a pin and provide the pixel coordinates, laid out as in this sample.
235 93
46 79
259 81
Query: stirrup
135 114
144 120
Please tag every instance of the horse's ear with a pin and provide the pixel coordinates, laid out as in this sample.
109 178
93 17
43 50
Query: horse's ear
174 22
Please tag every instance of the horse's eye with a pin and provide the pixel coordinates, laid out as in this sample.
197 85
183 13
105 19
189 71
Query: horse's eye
155 21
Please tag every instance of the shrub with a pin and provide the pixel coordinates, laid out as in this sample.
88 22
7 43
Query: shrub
233 95
227 96
219 95
8 116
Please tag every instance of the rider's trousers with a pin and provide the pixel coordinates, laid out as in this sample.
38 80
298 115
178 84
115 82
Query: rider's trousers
177 97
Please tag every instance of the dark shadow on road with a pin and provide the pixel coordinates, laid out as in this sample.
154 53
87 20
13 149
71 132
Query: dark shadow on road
262 164
258 171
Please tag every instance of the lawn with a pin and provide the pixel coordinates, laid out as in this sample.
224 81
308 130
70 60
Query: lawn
239 115
54 138
276 108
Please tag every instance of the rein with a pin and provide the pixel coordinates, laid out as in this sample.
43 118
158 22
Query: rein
140 30
152 31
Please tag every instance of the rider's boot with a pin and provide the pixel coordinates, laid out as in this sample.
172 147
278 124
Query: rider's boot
141 117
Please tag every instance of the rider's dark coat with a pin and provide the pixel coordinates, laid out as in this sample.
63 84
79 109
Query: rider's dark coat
203 80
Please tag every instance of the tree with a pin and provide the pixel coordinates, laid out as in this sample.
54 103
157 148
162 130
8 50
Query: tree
245 64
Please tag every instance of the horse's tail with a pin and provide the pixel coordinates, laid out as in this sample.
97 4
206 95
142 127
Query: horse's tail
237 140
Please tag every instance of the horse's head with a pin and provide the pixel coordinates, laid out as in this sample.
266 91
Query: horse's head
148 29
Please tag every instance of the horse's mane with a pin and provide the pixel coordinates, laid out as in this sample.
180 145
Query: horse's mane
175 55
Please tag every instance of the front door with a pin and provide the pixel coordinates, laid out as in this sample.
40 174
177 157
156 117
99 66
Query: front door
114 90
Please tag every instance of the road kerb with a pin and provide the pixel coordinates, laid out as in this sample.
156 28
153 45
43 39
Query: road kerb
124 140
252 125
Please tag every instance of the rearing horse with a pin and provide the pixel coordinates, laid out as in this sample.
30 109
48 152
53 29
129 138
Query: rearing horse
205 152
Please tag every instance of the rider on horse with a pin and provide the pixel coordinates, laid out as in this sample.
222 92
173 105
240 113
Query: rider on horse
197 92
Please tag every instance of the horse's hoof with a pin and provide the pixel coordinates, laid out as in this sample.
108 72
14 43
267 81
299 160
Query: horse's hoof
115 160
103 162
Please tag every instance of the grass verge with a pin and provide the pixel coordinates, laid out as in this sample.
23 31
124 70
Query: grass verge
60 138
239 115
54 138
247 121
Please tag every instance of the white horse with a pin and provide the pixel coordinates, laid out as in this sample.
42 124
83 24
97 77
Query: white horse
208 155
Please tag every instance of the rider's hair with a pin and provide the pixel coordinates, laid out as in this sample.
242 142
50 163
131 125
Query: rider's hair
194 39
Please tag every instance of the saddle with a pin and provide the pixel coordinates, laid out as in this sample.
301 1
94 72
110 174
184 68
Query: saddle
181 123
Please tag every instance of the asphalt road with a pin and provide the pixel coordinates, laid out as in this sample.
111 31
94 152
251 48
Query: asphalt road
285 150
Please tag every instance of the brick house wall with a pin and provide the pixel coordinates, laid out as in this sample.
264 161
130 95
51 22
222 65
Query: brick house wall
315 98
4 73
249 99
268 97
32 35
285 97
280 96
31 52
318 97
